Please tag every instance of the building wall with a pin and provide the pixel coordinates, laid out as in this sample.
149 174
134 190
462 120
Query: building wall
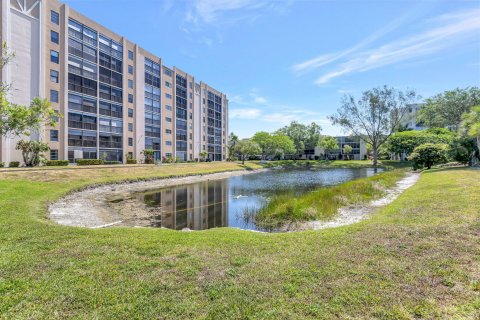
78 51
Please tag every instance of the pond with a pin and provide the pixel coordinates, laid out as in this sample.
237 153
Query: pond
231 202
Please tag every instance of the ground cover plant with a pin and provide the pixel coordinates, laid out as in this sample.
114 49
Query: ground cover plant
417 258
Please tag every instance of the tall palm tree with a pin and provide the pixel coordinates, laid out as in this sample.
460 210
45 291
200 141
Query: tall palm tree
471 124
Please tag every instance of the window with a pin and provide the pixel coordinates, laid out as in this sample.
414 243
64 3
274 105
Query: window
168 84
130 112
167 72
54 76
168 143
168 119
130 98
53 135
54 17
130 142
53 96
54 36
130 84
54 56
130 155
130 55
168 107
191 96
130 127
130 69
168 96
53 154
191 106
168 131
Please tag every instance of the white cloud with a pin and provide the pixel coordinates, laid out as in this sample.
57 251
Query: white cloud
449 30
244 113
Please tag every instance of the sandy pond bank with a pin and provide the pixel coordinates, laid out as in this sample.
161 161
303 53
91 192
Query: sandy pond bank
96 207
91 207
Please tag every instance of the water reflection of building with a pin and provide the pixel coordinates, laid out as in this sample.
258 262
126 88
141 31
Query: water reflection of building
198 206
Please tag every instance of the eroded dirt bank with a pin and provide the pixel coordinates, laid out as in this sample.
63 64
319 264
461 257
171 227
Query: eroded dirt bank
90 208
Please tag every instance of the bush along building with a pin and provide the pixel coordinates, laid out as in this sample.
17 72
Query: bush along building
116 99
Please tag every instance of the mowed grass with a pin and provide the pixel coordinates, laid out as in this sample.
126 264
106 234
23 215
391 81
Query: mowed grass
323 204
417 258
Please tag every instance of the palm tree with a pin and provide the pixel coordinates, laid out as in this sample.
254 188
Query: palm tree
471 125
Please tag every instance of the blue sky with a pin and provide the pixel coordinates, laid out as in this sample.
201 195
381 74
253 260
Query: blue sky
280 61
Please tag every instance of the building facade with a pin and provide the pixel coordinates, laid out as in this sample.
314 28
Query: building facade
115 98
359 150
409 120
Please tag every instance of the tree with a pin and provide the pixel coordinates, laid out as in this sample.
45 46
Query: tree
374 116
403 143
470 126
264 141
347 149
328 144
232 141
281 144
246 148
15 119
203 156
303 136
148 154
32 151
429 154
446 109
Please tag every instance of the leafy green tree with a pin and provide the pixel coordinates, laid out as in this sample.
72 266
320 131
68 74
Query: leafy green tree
471 124
18 120
264 141
281 145
347 150
148 155
32 152
203 156
374 117
303 136
246 148
328 144
429 154
404 142
446 109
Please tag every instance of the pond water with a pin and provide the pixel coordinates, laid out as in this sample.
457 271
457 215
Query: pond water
231 202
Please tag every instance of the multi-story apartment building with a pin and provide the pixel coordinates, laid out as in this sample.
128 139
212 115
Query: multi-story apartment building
359 150
409 120
116 99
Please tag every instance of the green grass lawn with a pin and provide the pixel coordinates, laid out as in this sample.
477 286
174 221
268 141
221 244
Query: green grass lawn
417 258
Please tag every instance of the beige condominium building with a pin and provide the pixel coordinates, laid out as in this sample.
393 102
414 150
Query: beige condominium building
116 99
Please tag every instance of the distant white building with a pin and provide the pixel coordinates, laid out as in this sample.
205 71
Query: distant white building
409 121
359 150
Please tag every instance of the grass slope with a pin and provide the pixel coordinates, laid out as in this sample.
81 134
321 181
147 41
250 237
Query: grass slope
419 257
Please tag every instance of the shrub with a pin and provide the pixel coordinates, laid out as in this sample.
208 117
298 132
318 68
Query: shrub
149 161
429 154
131 161
14 164
2 164
56 163
89 162
111 162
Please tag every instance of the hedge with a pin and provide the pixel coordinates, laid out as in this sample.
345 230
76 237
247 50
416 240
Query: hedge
56 163
2 164
89 162
131 161
14 164
111 162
